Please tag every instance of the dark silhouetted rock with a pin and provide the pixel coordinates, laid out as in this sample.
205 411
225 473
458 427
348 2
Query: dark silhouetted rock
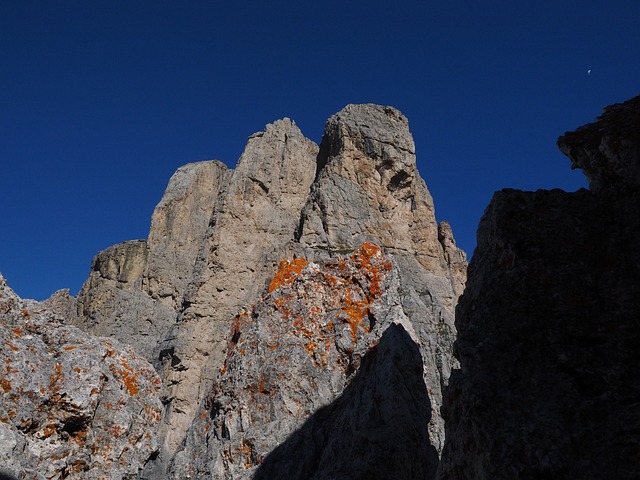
549 337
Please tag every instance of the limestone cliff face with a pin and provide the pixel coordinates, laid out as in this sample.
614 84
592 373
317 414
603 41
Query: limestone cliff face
178 227
216 241
72 405
254 219
368 189
113 303
549 339
135 289
287 197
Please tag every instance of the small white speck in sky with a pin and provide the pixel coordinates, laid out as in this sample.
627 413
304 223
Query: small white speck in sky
589 72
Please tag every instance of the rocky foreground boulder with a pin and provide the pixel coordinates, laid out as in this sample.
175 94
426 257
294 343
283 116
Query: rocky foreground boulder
71 405
549 324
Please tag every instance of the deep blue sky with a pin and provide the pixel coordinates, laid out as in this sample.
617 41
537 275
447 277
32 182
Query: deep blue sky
101 101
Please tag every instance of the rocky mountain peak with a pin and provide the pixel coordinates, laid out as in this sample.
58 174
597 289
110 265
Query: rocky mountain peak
608 150
366 128
332 255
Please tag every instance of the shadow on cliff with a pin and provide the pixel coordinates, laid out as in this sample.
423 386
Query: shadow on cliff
377 429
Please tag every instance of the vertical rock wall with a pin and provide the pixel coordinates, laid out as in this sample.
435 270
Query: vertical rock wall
135 289
245 240
178 227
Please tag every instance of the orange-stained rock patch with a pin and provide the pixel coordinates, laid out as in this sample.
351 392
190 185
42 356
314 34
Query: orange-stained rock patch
286 273
6 386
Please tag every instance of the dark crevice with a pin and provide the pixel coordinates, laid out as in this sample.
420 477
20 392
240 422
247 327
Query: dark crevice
72 425
399 181
260 184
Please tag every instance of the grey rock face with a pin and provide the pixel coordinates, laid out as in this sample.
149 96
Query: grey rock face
376 429
369 189
135 289
113 303
63 305
363 185
256 216
549 342
71 405
178 227
319 370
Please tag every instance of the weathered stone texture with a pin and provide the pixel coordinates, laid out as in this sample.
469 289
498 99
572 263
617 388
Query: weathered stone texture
71 405
549 339
178 227
369 189
289 358
218 236
63 305
256 216
135 289
112 301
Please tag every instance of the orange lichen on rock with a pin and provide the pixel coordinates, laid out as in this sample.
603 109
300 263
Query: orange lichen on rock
246 450
354 314
6 386
128 378
286 273
362 257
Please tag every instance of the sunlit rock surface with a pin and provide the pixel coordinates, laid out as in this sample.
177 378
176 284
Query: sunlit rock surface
72 405
327 369
217 239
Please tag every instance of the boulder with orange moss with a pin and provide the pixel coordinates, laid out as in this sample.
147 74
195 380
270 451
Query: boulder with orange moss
71 405
294 354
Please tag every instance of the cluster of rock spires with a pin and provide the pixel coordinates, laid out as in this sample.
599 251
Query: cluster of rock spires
250 350
296 315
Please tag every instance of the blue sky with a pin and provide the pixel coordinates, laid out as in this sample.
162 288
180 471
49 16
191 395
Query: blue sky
100 102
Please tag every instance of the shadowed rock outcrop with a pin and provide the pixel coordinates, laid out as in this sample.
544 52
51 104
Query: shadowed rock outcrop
377 428
549 338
